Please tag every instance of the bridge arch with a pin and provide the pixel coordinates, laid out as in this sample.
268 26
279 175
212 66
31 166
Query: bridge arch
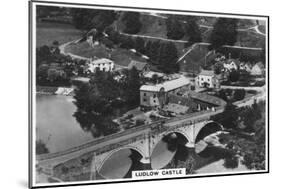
165 147
208 128
134 151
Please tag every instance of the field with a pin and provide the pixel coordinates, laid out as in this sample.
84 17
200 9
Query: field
120 56
48 32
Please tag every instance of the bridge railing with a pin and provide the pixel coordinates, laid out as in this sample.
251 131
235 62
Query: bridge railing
97 141
153 125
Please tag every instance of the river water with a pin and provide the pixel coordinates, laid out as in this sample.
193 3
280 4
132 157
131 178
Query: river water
56 126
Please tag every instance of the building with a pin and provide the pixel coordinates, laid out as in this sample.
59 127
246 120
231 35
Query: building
142 67
102 64
245 66
208 79
231 64
157 95
258 69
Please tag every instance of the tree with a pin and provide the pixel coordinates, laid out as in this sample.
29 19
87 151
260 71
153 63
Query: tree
132 87
127 42
239 94
103 19
94 110
174 29
234 76
132 22
168 57
140 45
81 18
192 29
224 33
41 147
218 68
92 18
228 118
154 50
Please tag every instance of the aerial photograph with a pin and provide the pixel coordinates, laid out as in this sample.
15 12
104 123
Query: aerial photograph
118 93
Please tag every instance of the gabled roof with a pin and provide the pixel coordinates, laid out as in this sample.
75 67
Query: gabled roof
168 85
101 61
260 65
236 61
207 72
138 65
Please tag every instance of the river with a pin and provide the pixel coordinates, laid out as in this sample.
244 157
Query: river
59 130
56 126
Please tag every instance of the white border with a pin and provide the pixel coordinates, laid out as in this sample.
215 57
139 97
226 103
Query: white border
180 12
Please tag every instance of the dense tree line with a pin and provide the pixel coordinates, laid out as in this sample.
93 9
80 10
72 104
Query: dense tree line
223 33
99 101
54 68
132 22
92 18
162 54
174 28
246 120
179 26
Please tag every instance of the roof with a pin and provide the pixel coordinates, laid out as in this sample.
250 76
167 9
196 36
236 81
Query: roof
138 65
208 98
168 85
236 61
151 73
207 72
260 65
101 61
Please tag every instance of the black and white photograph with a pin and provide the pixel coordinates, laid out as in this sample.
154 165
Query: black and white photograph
122 94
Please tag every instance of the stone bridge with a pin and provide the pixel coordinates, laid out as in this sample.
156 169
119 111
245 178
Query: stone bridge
142 139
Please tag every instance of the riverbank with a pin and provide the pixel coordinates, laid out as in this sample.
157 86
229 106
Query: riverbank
46 90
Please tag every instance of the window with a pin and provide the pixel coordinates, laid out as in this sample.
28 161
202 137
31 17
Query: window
208 79
144 99
201 78
154 101
144 94
154 96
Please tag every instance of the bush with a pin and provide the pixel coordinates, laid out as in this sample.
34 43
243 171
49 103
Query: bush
239 94
140 122
231 162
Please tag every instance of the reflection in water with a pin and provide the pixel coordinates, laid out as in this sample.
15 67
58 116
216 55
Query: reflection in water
162 154
168 153
55 124
118 165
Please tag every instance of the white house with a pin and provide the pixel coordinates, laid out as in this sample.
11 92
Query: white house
231 64
102 64
207 78
245 66
258 69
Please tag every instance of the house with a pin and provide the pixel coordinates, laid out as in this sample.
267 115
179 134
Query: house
208 79
142 67
258 69
102 64
231 64
157 95
245 66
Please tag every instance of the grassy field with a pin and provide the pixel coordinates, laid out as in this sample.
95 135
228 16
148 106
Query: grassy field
120 56
48 32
